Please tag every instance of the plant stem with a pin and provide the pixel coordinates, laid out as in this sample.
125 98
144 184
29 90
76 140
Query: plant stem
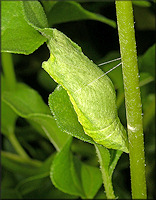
104 163
17 145
8 70
132 98
19 159
107 180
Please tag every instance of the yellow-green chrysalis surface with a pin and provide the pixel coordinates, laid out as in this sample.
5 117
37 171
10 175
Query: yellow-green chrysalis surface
93 98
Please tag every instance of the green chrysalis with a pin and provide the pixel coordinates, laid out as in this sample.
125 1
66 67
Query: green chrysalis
93 98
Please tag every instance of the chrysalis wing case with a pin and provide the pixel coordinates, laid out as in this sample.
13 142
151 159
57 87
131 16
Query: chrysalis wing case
93 99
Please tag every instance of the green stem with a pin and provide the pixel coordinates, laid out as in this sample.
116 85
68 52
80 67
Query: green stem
17 145
107 178
107 181
132 98
19 159
8 70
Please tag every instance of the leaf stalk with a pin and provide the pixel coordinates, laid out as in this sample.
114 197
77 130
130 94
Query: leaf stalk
8 70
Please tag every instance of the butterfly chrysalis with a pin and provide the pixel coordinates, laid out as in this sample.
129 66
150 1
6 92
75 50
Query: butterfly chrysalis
90 90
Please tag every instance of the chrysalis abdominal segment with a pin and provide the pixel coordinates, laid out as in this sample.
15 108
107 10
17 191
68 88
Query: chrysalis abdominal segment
104 73
94 105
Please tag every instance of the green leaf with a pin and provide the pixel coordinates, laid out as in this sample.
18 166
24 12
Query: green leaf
35 15
47 5
104 156
145 3
145 78
32 183
91 180
17 36
57 137
45 167
28 104
67 11
73 176
66 118
47 191
34 175
63 175
149 110
16 164
115 155
9 117
100 194
108 161
90 90
148 59
36 178
26 100
104 160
